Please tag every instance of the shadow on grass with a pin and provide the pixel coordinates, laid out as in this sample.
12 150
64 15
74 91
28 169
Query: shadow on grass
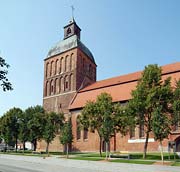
176 164
88 158
133 161
154 156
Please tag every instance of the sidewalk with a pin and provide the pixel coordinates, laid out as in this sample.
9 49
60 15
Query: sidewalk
56 164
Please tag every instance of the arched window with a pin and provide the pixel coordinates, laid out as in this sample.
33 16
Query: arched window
51 87
71 82
47 70
85 134
132 133
59 85
62 65
66 83
46 89
57 67
71 62
78 129
56 87
52 68
141 130
62 84
67 63
68 31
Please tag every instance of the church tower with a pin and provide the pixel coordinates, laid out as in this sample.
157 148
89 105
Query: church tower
68 67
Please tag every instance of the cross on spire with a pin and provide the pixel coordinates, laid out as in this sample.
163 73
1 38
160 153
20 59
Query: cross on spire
72 8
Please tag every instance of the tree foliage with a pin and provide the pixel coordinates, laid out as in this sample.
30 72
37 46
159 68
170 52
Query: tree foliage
99 116
161 126
176 104
31 125
66 136
35 124
122 120
10 126
24 132
53 123
106 118
4 82
150 94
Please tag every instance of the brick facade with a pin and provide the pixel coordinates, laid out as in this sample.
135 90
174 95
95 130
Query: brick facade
68 69
65 73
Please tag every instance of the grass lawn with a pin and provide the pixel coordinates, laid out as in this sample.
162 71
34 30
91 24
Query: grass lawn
116 160
24 154
176 164
87 158
136 158
133 161
153 156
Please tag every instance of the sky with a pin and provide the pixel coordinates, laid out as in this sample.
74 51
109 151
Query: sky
123 35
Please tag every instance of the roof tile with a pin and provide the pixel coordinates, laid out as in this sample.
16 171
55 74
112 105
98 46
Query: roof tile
119 87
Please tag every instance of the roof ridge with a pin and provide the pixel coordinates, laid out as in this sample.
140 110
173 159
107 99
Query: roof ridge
120 92
135 78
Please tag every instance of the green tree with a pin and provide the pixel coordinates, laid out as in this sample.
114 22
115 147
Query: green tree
176 105
53 123
10 126
35 125
105 108
6 85
161 127
162 117
24 132
1 129
147 96
122 120
1 138
99 116
66 136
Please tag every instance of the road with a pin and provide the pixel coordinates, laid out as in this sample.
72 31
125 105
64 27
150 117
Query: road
7 168
12 163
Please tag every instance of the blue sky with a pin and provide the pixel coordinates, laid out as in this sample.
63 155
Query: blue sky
123 35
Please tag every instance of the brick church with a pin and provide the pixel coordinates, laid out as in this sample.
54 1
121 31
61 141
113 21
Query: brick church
70 81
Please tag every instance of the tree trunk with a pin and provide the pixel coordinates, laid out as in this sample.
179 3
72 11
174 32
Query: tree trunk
5 147
24 146
146 145
16 144
100 147
35 144
161 148
67 150
114 142
47 148
106 150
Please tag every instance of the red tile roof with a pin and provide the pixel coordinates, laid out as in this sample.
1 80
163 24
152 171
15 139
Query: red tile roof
119 87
